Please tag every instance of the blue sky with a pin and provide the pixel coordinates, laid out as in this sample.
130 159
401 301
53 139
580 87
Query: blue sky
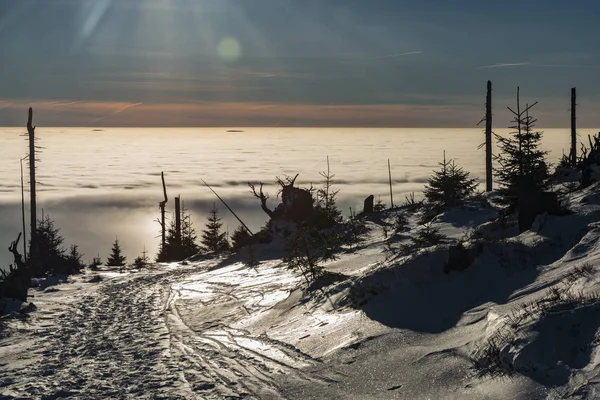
291 62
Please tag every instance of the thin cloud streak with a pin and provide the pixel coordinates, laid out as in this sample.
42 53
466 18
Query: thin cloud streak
410 53
504 65
117 111
564 66
527 64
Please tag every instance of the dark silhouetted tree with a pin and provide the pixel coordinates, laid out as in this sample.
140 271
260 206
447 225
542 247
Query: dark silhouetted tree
212 237
189 246
141 261
96 262
189 238
240 238
74 258
450 186
116 258
521 164
50 256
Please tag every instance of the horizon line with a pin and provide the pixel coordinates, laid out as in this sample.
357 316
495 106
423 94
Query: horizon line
278 126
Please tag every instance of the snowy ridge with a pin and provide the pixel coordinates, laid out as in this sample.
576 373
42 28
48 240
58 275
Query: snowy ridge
522 322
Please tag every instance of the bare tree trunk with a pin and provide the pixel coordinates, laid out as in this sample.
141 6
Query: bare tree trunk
23 212
391 193
519 128
178 222
573 127
162 206
488 138
33 205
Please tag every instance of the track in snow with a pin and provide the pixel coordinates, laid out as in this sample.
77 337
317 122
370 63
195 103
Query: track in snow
128 340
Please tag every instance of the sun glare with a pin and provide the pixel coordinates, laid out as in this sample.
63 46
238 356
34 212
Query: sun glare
229 49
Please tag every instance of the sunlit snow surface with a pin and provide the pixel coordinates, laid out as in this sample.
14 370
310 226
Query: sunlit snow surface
397 327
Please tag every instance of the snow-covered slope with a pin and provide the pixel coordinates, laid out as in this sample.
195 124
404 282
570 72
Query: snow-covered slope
522 322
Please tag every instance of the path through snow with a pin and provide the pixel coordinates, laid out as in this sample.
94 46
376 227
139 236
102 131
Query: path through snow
127 339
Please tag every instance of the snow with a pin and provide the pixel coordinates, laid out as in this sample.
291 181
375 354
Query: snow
396 327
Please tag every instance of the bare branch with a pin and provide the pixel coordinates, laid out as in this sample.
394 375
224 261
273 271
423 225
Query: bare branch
263 198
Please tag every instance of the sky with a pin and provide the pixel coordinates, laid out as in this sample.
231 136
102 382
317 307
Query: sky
404 63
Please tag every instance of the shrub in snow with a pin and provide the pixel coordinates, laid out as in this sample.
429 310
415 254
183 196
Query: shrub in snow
307 249
400 222
411 202
212 237
116 257
427 236
450 186
521 164
515 346
351 232
587 158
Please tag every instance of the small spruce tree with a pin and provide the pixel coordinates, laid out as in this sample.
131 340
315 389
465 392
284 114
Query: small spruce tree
327 209
521 164
307 249
96 262
50 256
379 205
401 223
212 237
450 186
49 240
189 246
116 258
240 238
141 261
74 258
427 236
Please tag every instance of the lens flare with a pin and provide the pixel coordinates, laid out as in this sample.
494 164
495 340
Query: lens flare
229 49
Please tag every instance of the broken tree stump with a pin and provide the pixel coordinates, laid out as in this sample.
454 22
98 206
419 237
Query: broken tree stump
368 205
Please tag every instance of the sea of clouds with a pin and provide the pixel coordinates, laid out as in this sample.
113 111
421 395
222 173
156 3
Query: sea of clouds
101 184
